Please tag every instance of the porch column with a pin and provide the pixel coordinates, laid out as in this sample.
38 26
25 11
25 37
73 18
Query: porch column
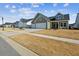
58 24
49 25
67 25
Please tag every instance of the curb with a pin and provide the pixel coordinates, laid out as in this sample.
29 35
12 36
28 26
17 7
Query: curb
19 48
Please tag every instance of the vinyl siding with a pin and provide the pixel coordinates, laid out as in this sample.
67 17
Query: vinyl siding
22 24
33 26
39 25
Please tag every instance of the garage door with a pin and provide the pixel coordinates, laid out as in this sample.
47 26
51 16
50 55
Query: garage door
33 25
41 25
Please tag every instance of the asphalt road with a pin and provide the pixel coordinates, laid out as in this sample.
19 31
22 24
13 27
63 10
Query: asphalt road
6 49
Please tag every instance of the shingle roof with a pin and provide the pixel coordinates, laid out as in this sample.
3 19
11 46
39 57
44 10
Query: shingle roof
25 20
40 18
64 17
16 22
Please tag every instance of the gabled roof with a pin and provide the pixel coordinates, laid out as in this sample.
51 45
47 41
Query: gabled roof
16 22
40 18
24 20
59 14
63 17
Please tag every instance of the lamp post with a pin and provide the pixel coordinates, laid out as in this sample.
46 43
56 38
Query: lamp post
2 23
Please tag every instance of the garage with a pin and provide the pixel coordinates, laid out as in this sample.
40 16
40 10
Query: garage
40 21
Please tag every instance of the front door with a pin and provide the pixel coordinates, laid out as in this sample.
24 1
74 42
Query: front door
54 25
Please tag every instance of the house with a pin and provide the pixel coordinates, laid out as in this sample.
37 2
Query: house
23 23
71 26
59 21
16 24
76 24
8 25
40 21
29 23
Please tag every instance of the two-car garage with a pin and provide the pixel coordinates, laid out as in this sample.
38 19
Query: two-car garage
39 25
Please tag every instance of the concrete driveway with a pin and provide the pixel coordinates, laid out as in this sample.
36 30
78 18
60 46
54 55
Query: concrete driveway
32 30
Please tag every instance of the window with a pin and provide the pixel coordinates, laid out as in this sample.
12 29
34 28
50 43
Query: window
61 24
64 24
59 17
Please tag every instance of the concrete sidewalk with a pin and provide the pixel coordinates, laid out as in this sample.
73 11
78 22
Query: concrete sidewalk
55 38
20 49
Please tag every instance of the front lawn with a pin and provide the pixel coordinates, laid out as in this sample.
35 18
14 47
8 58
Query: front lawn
43 46
73 34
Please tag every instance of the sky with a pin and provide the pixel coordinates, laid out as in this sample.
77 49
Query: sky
12 12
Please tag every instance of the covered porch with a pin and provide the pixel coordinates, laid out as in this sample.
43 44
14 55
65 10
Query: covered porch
54 24
58 24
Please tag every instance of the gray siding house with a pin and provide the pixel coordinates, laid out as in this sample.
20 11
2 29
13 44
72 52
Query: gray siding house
59 21
16 24
23 23
40 21
8 25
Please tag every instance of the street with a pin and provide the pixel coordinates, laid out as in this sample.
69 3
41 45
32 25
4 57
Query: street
6 49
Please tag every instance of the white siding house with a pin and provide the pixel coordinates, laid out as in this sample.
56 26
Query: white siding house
59 21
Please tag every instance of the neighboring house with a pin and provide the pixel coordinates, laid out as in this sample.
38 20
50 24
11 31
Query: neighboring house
56 22
29 23
23 23
8 25
16 24
76 24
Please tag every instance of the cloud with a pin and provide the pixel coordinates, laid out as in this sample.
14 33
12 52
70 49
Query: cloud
12 10
42 4
45 10
35 5
21 3
26 12
66 4
13 6
6 6
52 11
55 4
48 13
66 11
